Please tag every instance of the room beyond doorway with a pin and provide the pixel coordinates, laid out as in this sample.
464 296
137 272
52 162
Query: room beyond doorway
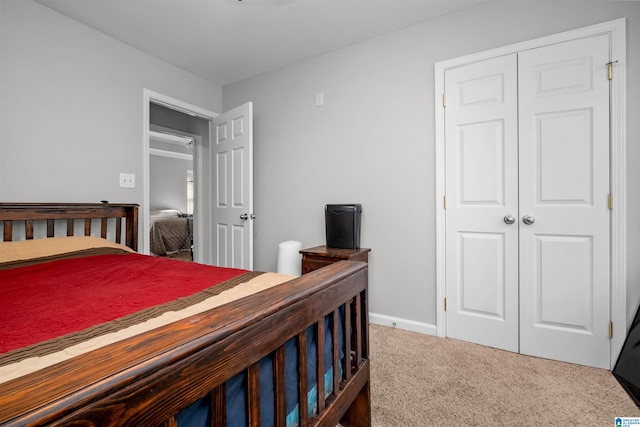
163 112
172 162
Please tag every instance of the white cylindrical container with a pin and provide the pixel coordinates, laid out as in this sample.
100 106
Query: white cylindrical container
289 258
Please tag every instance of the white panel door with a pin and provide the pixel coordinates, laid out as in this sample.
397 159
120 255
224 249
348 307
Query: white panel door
232 210
564 187
527 135
481 186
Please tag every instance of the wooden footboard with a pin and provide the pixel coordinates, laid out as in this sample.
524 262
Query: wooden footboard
148 379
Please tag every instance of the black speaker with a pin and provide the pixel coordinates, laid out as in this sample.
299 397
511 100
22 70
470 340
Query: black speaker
342 223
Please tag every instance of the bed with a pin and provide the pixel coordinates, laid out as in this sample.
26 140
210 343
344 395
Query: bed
224 364
171 231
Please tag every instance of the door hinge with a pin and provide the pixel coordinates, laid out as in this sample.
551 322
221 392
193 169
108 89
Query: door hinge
444 101
445 304
610 69
610 201
444 202
610 329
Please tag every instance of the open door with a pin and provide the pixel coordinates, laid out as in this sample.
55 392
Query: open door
232 186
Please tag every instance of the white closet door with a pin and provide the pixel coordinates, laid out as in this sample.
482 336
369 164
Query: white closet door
481 187
527 135
564 186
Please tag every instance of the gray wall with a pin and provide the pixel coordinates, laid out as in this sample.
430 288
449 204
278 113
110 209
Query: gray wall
168 177
373 140
71 107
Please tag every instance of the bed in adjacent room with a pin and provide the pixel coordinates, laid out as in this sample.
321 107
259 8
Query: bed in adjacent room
93 333
171 231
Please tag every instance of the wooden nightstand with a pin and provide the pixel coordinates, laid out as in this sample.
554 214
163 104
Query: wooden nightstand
319 256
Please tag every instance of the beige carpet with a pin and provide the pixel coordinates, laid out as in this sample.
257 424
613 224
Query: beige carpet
420 380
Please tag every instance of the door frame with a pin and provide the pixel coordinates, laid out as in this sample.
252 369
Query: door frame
618 182
201 201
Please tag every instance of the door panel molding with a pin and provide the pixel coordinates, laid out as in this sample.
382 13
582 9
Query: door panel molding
616 29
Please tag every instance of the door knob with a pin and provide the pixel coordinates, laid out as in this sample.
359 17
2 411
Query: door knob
509 219
528 219
244 217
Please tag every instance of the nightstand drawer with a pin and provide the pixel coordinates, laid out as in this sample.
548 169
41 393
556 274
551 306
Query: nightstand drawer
321 256
310 264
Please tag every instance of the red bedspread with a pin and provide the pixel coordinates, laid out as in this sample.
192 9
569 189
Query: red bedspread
48 300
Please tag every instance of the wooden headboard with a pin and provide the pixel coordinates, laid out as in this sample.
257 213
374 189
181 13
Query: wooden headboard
48 213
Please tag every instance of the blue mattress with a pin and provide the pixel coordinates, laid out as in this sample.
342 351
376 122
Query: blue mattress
197 414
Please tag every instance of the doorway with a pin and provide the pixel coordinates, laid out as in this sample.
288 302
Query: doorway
172 185
223 218
172 116
531 278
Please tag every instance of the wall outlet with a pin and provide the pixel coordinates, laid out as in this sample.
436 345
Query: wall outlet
127 180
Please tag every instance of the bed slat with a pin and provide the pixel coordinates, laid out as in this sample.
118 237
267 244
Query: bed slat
28 229
303 409
118 230
320 365
253 395
280 391
347 341
364 326
336 351
358 329
103 228
217 399
51 227
87 227
8 231
70 229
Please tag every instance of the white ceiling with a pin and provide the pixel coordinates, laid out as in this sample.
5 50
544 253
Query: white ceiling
225 41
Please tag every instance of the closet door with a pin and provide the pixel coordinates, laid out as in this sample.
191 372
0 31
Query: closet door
564 187
527 218
482 202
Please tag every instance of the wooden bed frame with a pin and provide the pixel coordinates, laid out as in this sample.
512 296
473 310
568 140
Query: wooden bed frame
146 380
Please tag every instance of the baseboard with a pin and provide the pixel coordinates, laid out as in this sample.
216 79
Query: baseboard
405 324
